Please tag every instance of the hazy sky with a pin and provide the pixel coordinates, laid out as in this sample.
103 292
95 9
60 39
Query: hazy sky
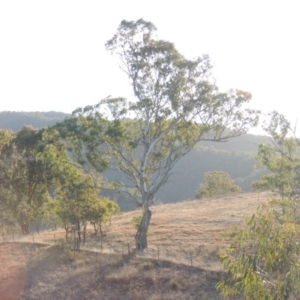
52 54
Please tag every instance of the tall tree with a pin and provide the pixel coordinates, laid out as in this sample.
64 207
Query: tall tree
25 178
176 105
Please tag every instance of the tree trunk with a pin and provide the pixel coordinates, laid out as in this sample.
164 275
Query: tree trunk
24 222
25 228
84 232
78 231
100 227
141 235
95 227
67 229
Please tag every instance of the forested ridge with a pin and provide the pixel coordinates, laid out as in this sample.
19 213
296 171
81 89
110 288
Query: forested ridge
15 120
235 156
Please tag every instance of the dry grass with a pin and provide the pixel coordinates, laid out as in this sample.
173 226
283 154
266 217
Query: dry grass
54 273
191 229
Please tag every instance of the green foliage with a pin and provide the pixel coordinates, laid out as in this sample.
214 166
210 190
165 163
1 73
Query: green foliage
26 177
174 284
136 221
283 162
84 138
75 198
215 184
5 138
38 180
236 159
263 261
281 158
101 211
78 202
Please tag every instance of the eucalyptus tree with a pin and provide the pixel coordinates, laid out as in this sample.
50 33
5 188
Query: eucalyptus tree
6 219
176 105
79 163
75 198
263 261
100 212
78 202
281 157
26 177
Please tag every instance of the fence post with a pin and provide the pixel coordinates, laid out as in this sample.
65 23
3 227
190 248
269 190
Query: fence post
78 244
74 246
54 239
128 248
157 252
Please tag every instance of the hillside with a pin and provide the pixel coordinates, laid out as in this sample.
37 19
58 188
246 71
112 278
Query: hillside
236 157
185 240
16 120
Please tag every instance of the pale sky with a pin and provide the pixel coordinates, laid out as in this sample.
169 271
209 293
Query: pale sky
52 54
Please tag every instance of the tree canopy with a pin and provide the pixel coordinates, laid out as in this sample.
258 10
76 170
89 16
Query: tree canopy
263 259
281 158
25 178
41 180
176 104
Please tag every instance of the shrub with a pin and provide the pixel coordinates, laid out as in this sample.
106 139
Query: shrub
136 221
216 183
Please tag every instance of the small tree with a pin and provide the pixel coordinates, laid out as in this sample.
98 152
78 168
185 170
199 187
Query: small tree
281 158
76 198
100 212
77 190
216 183
263 260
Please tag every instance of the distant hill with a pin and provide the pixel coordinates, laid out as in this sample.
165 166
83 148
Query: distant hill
16 120
236 157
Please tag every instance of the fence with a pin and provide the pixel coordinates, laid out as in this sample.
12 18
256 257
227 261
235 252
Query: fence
183 256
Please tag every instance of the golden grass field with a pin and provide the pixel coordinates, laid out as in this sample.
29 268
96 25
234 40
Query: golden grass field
188 236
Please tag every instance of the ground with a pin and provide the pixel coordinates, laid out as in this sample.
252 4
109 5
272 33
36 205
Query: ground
182 262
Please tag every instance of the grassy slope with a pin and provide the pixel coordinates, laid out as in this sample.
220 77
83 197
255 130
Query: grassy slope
180 231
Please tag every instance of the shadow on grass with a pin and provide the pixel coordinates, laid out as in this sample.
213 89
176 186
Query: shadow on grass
56 274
